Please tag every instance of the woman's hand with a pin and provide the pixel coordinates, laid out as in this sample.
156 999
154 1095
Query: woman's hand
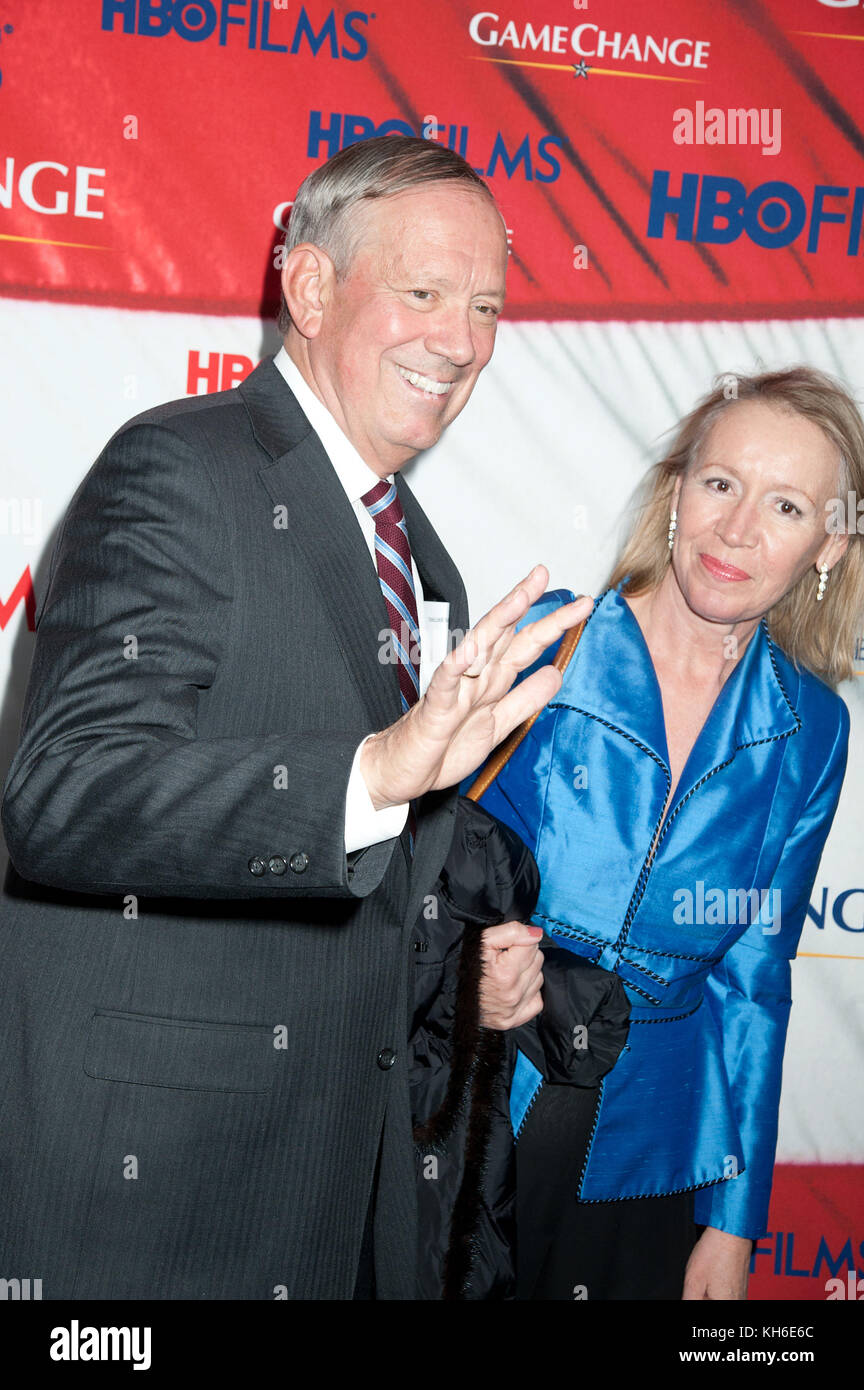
718 1267
512 978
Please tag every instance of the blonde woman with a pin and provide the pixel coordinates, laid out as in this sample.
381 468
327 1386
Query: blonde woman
677 793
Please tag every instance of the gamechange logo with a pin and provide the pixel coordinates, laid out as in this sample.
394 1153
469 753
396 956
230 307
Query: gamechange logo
246 22
492 31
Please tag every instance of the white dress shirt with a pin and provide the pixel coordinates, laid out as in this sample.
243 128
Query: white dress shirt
363 824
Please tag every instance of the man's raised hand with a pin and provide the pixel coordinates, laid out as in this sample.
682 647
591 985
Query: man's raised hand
469 706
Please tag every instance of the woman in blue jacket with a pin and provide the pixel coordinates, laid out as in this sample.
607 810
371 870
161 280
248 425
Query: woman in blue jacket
677 793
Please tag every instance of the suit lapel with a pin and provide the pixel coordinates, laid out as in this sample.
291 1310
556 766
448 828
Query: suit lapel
321 522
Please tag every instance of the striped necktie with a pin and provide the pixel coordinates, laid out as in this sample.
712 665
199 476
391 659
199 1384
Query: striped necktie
393 559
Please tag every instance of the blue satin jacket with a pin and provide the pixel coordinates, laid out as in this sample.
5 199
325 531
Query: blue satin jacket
702 933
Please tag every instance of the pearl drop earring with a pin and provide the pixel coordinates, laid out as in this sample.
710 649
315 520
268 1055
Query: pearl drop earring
823 582
673 526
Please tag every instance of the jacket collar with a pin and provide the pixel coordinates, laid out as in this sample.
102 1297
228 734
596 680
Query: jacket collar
278 423
752 707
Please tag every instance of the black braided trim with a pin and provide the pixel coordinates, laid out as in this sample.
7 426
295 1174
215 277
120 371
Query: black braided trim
677 955
532 1102
676 1018
573 931
673 1191
643 970
562 704
652 999
590 1137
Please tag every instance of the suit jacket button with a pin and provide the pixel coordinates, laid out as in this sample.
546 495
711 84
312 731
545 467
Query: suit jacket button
386 1058
257 866
298 862
277 864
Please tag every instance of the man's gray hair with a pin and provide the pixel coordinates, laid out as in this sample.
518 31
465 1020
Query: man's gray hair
377 168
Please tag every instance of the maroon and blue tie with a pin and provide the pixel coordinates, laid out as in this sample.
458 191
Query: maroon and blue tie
393 560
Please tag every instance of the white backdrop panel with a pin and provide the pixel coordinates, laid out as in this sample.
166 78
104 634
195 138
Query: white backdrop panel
542 465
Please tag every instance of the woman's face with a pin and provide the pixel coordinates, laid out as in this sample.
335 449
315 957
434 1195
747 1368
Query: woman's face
752 514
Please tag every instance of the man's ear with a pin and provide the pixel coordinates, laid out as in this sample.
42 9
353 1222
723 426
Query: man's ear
306 276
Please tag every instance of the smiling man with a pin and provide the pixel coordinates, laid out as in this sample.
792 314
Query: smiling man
394 347
236 779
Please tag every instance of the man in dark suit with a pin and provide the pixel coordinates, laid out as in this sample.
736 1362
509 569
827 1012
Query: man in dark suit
234 787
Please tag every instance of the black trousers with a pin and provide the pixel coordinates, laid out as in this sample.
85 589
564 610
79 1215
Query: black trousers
633 1249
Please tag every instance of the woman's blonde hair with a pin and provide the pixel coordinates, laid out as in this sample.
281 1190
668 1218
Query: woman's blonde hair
819 636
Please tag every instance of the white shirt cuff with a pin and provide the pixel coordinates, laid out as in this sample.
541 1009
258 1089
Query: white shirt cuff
364 825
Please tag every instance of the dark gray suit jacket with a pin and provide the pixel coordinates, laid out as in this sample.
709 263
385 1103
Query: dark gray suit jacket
192 1099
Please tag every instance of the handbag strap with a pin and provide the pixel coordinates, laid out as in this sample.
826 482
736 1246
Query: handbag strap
484 780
